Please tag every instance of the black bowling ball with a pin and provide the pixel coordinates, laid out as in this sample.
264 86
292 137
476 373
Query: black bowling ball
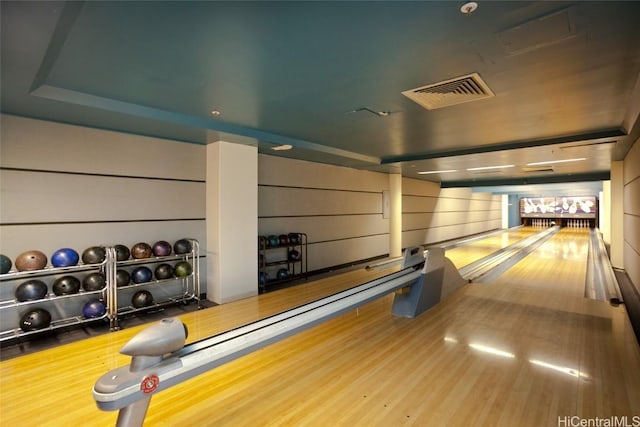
5 264
142 299
164 271
66 285
122 252
94 255
35 319
31 290
182 246
94 282
123 278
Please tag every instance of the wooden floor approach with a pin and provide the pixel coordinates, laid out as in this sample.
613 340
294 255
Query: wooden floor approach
523 350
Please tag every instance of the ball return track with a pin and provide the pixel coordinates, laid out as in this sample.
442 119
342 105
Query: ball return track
160 358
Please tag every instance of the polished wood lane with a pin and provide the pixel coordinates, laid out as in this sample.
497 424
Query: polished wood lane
466 254
501 353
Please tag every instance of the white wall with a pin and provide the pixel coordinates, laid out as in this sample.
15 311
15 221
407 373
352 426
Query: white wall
340 209
432 214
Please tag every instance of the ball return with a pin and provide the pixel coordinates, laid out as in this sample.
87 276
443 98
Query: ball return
160 358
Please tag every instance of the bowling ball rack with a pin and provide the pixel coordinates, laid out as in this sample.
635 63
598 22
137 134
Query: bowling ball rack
67 308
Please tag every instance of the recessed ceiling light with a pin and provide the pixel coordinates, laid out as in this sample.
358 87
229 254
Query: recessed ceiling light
442 171
283 147
489 167
215 113
556 161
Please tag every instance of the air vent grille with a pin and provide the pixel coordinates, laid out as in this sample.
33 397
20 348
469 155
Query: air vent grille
450 92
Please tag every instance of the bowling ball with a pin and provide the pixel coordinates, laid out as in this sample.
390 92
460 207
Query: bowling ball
262 278
31 260
294 238
294 255
283 239
65 257
122 277
31 290
35 319
66 285
161 248
141 251
94 282
122 252
93 309
5 264
182 246
164 271
283 273
94 255
142 299
273 241
141 275
183 269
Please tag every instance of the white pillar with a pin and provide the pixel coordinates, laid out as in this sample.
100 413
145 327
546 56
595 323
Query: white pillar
617 214
232 221
395 214
604 214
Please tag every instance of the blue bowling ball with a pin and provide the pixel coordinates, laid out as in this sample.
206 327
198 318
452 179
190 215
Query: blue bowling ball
94 309
141 275
65 257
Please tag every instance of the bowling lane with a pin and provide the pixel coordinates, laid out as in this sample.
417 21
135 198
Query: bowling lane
558 266
466 254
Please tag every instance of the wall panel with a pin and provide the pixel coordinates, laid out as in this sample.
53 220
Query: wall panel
43 145
288 201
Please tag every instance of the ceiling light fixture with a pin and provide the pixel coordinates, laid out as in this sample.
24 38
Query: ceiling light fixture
442 171
550 162
490 167
283 147
216 113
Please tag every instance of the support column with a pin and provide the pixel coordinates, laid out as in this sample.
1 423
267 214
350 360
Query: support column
617 214
232 221
604 213
395 215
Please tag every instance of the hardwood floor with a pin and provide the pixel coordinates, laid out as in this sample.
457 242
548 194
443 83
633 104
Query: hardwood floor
520 351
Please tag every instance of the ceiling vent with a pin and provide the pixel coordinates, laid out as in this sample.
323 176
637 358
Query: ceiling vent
537 169
450 92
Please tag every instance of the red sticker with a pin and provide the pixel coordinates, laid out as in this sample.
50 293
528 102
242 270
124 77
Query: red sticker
149 384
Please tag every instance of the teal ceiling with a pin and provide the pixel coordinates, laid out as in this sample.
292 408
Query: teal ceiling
314 74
